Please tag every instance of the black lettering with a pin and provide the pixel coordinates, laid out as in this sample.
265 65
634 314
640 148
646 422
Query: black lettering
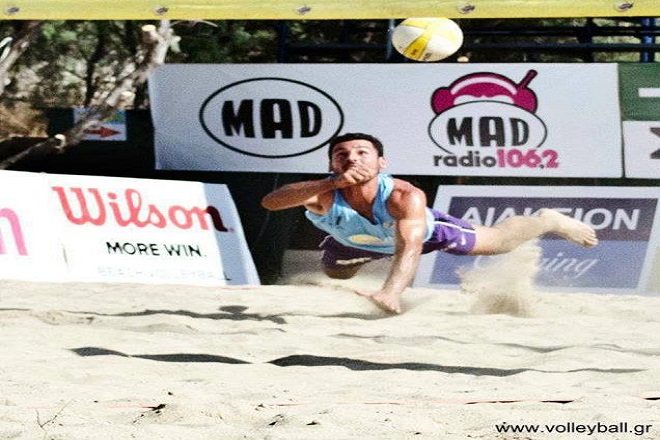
194 250
462 134
519 132
234 121
132 248
310 119
489 161
491 129
467 160
656 153
276 116
450 161
113 248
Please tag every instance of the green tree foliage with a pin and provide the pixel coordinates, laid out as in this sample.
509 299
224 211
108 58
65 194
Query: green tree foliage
226 42
549 40
72 63
343 41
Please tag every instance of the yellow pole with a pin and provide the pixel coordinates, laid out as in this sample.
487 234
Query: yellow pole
318 9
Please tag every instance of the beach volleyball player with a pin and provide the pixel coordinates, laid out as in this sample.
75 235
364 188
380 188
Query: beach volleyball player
370 215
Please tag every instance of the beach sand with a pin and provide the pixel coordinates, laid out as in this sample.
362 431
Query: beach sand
309 359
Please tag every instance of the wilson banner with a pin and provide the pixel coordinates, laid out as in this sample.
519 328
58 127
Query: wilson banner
85 228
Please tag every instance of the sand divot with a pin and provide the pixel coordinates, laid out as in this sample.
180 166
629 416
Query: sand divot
503 284
317 279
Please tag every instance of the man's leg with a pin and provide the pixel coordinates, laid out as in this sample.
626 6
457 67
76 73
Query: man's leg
343 262
514 231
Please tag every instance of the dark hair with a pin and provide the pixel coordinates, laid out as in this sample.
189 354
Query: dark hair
355 136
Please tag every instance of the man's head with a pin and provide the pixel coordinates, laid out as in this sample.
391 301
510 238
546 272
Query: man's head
356 136
356 151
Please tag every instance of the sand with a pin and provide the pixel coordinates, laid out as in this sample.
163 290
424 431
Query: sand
309 359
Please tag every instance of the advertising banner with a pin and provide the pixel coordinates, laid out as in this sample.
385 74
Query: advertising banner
640 106
28 247
87 228
625 219
546 120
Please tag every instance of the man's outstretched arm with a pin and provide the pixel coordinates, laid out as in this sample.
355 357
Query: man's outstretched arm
297 194
410 210
307 193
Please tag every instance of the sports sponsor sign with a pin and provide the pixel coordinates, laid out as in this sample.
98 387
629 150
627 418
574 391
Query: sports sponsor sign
625 219
85 228
434 119
640 104
28 247
237 118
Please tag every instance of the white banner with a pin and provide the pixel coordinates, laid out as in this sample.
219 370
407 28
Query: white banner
640 104
642 148
627 221
549 120
85 228
29 248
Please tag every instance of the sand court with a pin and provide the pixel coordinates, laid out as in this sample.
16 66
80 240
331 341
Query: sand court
311 360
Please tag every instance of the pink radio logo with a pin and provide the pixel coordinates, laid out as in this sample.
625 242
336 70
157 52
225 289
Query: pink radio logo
15 229
486 119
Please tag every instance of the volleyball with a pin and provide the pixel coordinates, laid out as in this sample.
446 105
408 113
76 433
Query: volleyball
427 39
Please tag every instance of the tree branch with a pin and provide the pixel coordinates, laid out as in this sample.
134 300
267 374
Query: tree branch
17 46
155 44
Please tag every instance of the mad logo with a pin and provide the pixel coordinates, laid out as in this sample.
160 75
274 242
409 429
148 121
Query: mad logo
483 111
271 117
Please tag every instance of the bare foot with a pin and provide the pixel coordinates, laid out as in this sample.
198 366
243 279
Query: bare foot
571 229
389 302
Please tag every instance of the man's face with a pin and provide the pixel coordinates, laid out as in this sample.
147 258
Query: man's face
356 153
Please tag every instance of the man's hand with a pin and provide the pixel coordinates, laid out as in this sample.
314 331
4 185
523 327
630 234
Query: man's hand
354 175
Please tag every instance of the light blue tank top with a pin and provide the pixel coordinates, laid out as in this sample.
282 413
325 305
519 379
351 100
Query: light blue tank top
350 228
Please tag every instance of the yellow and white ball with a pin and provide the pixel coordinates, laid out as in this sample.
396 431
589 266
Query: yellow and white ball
427 39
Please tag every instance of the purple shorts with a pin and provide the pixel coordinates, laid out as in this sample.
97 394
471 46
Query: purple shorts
450 234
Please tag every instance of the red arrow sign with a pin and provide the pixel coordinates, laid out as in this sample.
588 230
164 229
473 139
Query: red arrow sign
103 132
